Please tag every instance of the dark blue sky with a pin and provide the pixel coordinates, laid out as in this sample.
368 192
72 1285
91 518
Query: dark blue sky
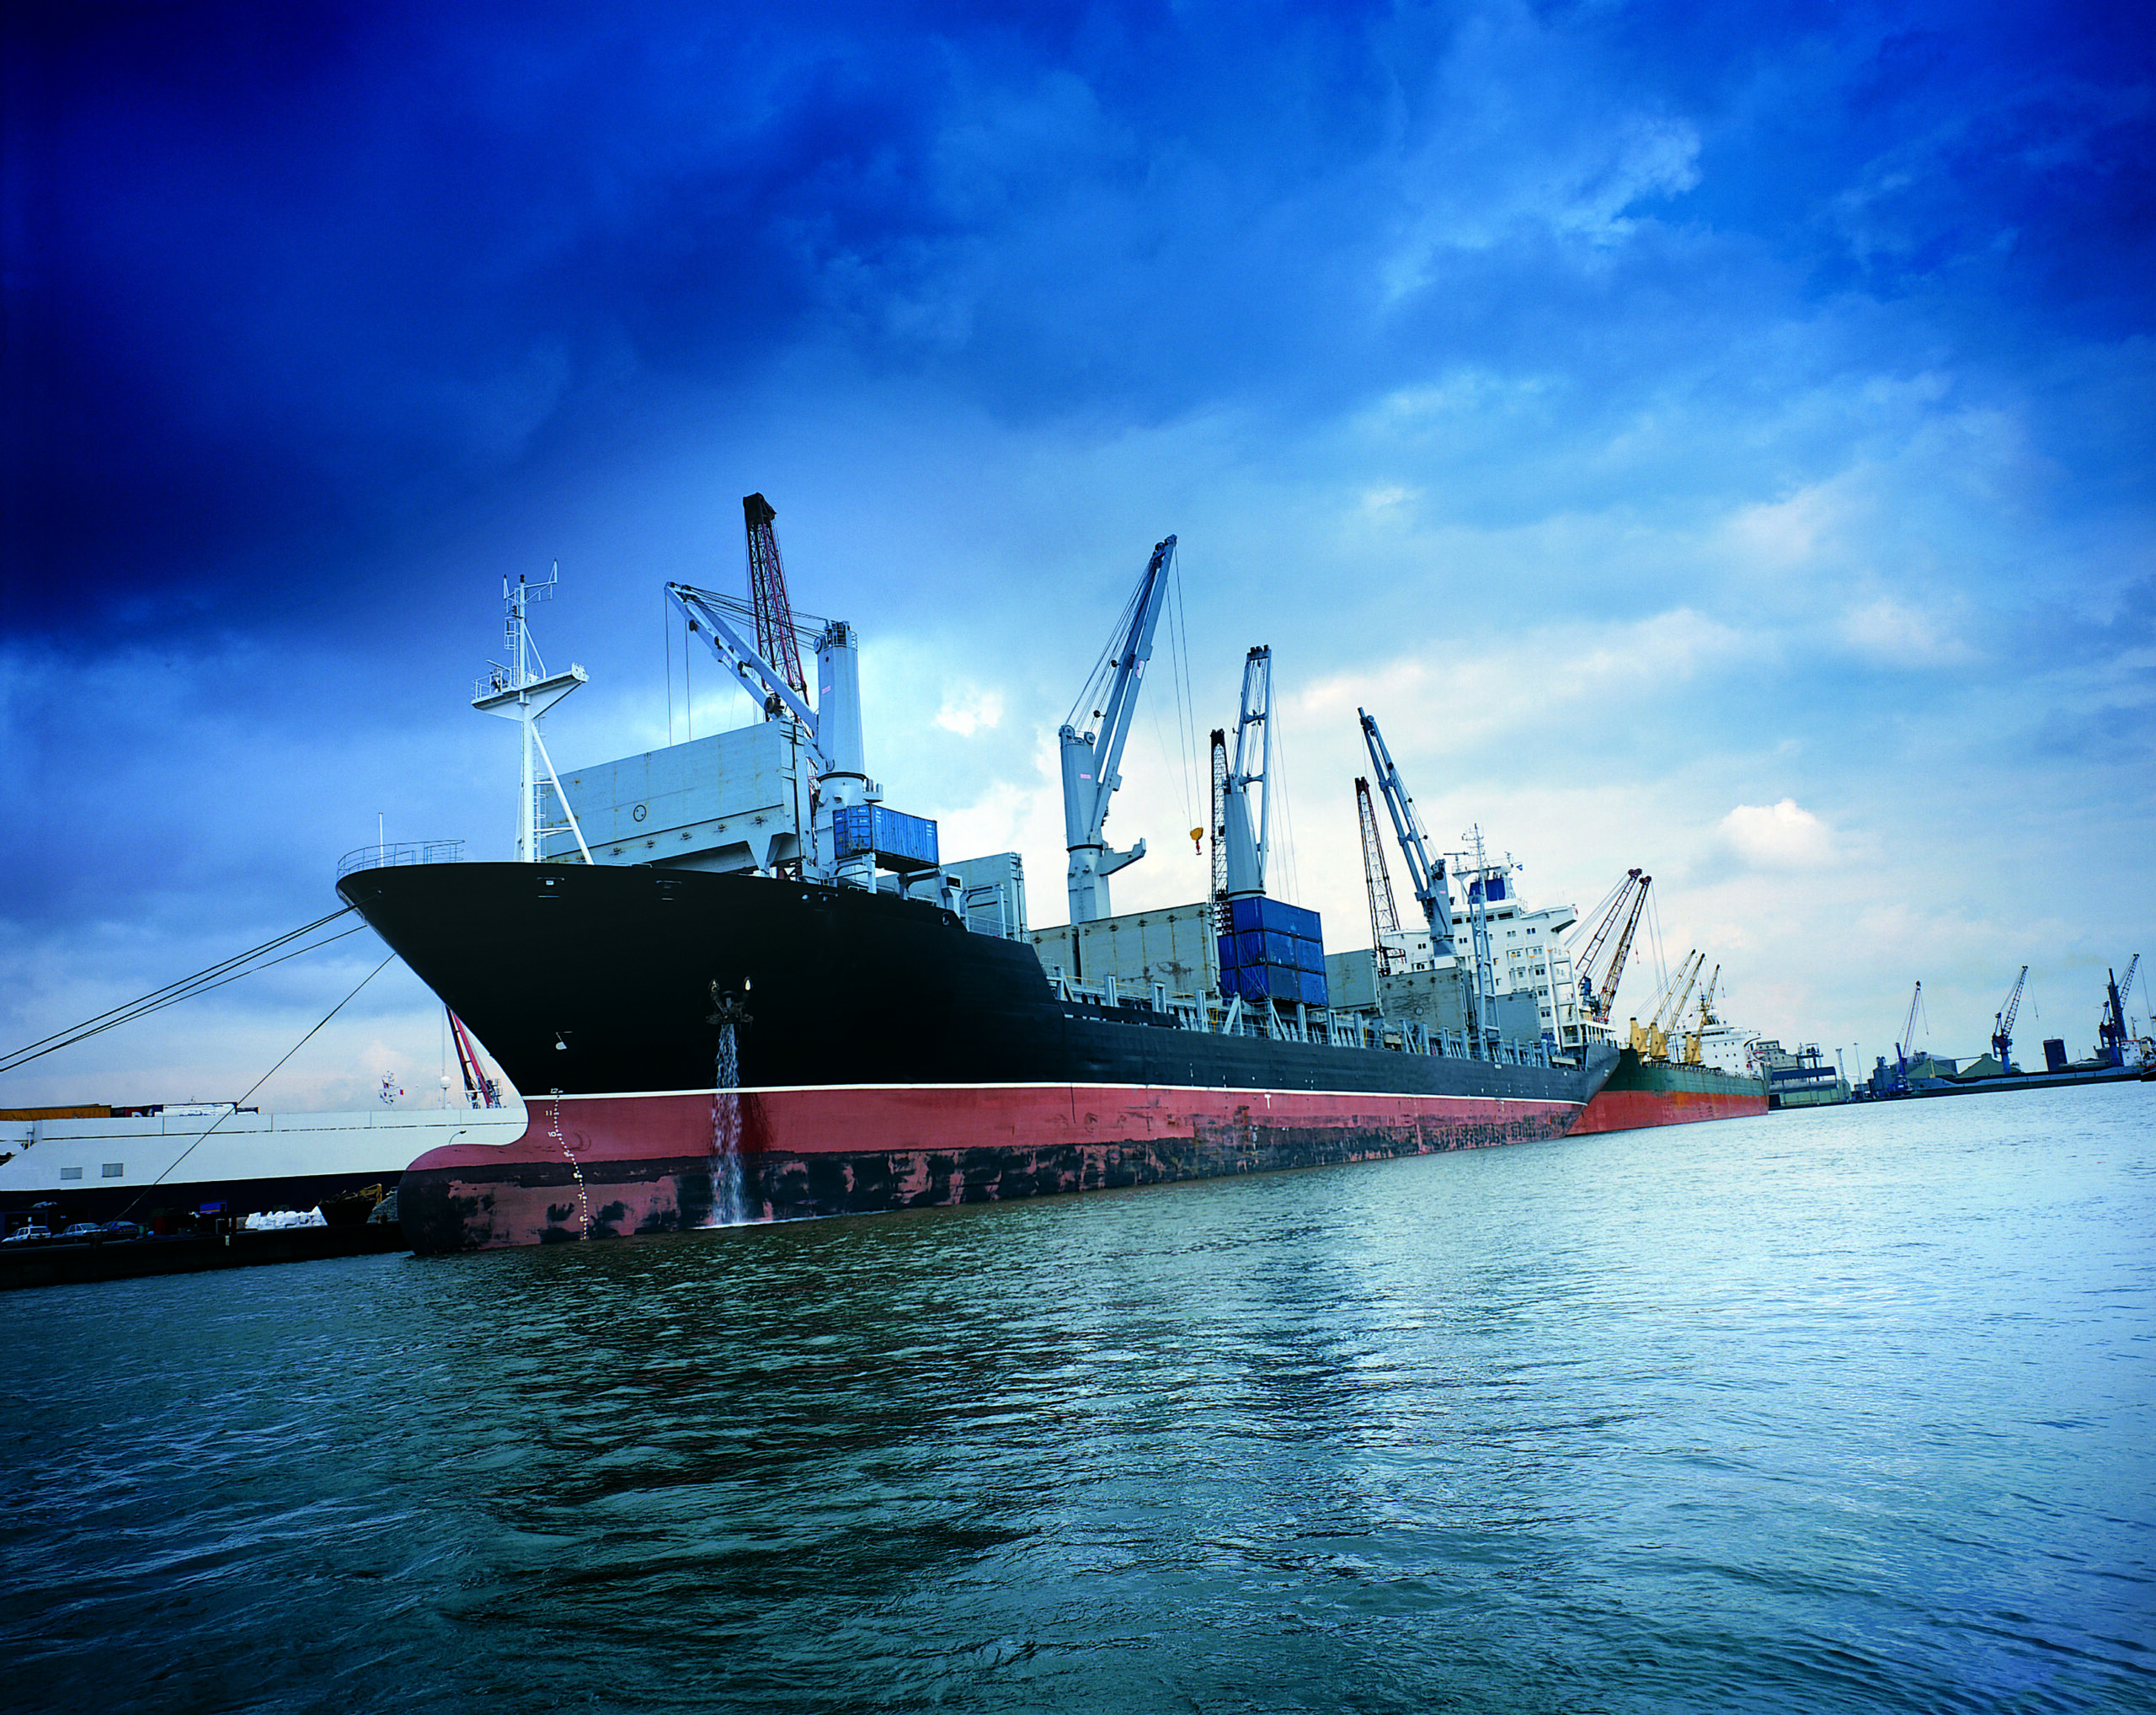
1678 411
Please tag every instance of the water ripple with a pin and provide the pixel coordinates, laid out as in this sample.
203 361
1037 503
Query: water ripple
1820 1412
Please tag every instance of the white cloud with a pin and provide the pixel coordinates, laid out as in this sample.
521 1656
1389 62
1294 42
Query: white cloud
967 710
1542 680
1894 632
1782 835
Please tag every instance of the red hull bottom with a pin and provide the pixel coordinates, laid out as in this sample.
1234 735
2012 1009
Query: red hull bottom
1634 1110
603 1166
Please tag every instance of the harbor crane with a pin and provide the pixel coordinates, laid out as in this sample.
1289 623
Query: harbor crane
2111 1035
1653 1042
1692 1039
776 637
1385 918
1248 840
769 670
2002 1029
1426 875
1624 904
1907 1040
1219 829
1091 758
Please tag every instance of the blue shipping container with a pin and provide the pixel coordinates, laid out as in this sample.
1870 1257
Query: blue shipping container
1265 947
1310 955
894 839
1259 912
1310 987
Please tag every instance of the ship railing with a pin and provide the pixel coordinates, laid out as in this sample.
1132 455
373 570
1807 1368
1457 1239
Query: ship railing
1339 1028
392 854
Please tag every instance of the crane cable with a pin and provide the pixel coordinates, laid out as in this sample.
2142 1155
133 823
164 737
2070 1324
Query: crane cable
264 1079
215 976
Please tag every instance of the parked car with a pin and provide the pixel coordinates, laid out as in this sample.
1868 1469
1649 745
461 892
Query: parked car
123 1228
82 1232
30 1235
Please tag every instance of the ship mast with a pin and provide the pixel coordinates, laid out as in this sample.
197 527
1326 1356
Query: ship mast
523 692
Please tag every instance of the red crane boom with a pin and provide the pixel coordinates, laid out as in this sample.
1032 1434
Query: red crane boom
776 641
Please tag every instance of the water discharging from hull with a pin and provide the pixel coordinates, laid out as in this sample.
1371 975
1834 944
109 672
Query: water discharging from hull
727 1204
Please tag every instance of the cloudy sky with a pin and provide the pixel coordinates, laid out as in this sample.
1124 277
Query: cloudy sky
1712 438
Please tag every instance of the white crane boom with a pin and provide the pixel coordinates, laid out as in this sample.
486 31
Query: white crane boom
1426 875
1091 759
1250 842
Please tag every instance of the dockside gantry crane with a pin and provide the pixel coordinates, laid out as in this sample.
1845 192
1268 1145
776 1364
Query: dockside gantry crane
1377 879
1091 758
2002 1027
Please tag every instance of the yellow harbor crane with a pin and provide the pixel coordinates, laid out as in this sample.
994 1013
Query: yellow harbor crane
1707 1019
1653 1042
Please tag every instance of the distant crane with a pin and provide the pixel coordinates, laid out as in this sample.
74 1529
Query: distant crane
1625 904
1908 1039
1426 875
2110 1030
2002 1031
776 641
1091 758
1385 919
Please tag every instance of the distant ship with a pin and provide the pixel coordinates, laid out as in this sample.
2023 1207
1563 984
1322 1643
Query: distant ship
174 1162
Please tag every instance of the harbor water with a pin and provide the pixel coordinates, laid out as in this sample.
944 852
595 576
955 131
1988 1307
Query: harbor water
1839 1409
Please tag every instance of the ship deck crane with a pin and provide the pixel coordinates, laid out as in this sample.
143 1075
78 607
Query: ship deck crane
1426 875
776 640
1248 838
1219 829
832 732
1091 759
1625 904
1693 1038
2002 1030
1377 878
1653 1042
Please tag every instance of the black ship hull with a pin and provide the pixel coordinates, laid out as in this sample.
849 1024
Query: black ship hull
886 1058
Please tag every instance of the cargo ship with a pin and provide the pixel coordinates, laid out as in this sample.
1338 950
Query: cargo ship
733 983
1643 1092
700 1048
1666 1073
